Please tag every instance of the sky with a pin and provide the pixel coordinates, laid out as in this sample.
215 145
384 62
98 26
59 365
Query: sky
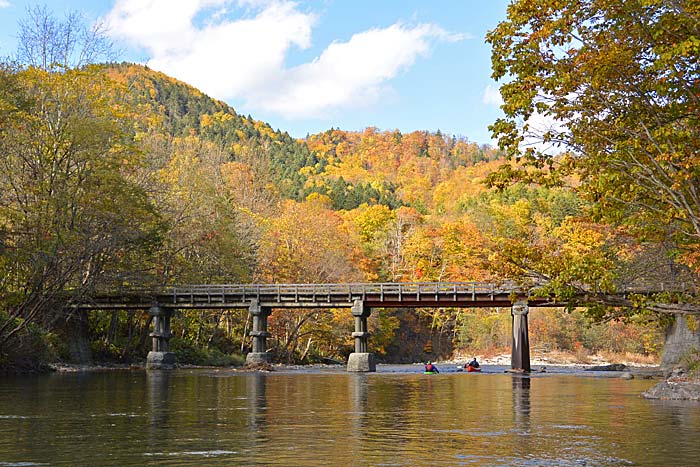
308 66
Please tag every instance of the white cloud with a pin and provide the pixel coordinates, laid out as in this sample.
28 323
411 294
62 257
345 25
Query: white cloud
244 57
351 73
534 128
162 27
492 96
537 126
4 3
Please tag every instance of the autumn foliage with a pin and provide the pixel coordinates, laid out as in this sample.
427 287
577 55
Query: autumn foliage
119 176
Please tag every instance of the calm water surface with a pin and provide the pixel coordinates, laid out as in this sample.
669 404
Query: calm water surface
326 417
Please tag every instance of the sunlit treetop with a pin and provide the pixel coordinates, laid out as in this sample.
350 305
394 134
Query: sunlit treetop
620 80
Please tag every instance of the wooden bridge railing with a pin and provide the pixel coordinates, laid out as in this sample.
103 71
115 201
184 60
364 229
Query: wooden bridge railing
388 294
337 293
309 295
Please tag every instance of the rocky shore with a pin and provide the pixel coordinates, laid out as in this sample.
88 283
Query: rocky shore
677 386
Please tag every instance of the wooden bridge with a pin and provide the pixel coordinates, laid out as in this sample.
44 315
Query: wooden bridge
385 295
261 299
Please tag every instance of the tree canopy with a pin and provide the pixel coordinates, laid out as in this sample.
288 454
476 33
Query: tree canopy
116 175
618 83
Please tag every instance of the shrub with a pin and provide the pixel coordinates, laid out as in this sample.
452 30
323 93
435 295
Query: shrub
192 355
691 361
28 351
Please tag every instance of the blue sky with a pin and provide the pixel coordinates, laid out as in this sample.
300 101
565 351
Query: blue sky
307 66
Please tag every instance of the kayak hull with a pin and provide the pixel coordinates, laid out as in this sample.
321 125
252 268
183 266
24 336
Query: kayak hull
472 369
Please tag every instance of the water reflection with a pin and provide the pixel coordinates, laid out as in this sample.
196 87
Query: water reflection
216 418
256 395
158 384
159 412
358 392
521 402
358 398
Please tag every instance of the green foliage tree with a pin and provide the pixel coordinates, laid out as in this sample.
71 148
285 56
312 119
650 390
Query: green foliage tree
621 85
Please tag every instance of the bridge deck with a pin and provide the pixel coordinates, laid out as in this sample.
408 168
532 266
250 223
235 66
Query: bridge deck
389 295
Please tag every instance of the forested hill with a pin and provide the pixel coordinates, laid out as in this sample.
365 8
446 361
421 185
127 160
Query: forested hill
349 168
182 111
148 181
142 180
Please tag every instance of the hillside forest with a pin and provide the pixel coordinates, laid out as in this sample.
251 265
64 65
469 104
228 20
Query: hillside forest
114 175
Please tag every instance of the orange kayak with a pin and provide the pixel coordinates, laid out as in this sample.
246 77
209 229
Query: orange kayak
472 368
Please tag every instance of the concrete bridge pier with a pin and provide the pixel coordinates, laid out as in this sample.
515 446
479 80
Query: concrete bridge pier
160 358
259 334
361 360
520 347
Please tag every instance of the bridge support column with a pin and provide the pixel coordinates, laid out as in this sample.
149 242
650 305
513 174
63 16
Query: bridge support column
361 360
520 347
160 358
259 334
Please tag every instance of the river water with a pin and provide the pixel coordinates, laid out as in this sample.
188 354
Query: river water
327 417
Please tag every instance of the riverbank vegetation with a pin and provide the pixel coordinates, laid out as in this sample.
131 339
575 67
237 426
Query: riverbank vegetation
114 175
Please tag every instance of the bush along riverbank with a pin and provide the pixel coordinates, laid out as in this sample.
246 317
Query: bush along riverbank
35 351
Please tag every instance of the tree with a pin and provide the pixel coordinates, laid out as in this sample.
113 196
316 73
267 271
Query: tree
72 216
305 243
620 83
49 44
208 242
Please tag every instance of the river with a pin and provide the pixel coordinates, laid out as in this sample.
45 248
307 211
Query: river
327 417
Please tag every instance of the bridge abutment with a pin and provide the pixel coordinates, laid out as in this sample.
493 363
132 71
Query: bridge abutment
259 334
361 360
160 358
520 346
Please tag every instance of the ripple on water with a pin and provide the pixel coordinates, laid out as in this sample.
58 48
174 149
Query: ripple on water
470 432
214 453
571 427
125 415
536 461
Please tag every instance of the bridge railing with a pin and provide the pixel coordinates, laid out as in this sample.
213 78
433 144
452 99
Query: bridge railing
334 293
443 287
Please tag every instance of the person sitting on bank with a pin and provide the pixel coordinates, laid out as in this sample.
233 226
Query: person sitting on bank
473 363
430 368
